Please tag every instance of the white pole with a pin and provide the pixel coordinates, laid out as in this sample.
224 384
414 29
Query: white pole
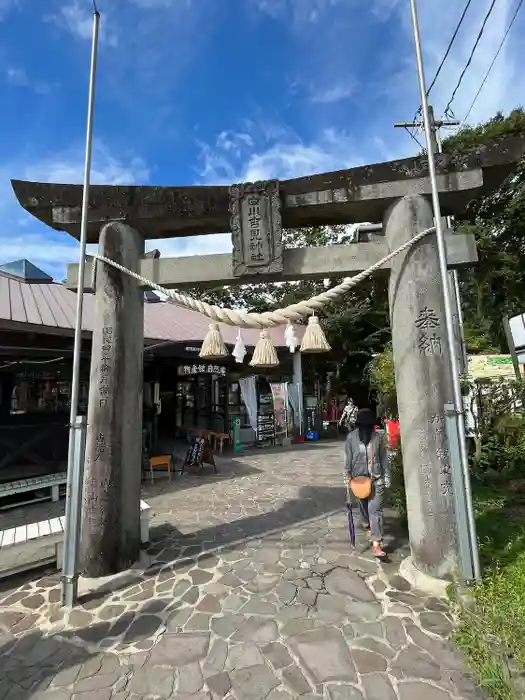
75 465
449 322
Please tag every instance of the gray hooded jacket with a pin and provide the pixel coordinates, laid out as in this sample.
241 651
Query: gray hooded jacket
366 460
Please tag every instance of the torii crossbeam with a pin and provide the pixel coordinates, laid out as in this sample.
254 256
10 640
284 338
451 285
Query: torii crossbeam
341 197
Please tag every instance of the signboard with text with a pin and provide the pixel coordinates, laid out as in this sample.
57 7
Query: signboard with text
188 370
491 367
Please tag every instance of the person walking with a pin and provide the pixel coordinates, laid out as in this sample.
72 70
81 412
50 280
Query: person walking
367 475
348 415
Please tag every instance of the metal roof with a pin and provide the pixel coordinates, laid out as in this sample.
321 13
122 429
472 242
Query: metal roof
26 271
52 307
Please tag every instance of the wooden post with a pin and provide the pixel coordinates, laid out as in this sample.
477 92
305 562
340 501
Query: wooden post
111 509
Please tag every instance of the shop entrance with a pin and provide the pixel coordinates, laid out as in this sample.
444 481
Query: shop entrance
201 401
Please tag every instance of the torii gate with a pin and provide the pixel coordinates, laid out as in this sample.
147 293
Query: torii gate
396 193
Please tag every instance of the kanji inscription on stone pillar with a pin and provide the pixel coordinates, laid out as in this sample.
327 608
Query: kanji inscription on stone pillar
256 228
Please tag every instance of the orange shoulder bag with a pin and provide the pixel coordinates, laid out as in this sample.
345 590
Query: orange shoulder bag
361 486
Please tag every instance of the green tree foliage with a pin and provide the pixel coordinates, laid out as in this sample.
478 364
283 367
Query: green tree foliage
495 287
381 375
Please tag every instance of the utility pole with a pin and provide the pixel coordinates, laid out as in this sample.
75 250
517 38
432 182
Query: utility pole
455 410
453 274
438 124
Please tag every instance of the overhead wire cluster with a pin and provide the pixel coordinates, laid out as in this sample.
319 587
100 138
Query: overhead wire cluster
418 112
496 55
448 109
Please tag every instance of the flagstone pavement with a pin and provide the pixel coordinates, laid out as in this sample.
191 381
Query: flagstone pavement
249 590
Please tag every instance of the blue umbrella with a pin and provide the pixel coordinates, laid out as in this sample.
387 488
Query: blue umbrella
351 526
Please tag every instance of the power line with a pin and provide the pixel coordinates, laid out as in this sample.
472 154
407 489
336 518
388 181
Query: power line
467 64
413 134
449 47
518 8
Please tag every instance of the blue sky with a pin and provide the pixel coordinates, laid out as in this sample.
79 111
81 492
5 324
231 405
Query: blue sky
218 91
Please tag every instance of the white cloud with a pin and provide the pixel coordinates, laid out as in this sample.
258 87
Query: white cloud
76 18
68 168
335 93
6 6
342 54
51 255
23 236
280 153
149 4
16 76
301 11
381 61
52 250
504 88
193 245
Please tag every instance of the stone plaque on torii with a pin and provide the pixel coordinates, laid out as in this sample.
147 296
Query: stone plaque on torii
395 193
256 229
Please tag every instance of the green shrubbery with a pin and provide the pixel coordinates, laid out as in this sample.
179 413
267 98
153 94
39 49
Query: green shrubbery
499 431
397 492
381 375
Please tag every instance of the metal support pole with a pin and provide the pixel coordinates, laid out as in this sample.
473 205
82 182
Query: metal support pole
70 539
75 478
449 321
454 280
298 381
458 484
512 349
453 274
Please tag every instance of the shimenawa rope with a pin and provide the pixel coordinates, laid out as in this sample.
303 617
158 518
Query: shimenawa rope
268 319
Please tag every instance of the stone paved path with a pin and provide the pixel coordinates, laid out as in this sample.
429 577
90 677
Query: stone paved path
250 591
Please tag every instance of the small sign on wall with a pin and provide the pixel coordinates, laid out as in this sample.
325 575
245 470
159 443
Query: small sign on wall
188 370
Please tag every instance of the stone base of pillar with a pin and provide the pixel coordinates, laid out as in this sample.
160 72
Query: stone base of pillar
423 582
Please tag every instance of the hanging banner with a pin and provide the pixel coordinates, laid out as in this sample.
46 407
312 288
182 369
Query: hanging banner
249 396
294 402
280 408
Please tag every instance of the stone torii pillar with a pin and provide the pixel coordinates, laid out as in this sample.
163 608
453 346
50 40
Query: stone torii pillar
423 383
111 512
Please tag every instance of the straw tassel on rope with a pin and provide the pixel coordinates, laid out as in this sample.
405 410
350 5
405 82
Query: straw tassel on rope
265 354
314 339
213 347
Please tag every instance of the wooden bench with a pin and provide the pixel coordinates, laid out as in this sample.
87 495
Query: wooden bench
40 544
53 482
